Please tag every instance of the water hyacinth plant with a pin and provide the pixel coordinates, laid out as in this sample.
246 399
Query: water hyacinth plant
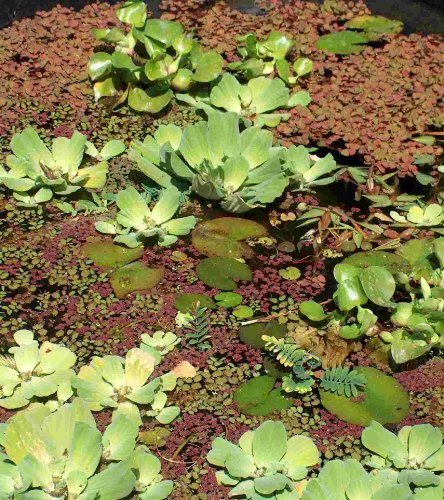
262 57
33 372
121 383
36 173
62 454
135 221
241 170
265 464
150 61
255 101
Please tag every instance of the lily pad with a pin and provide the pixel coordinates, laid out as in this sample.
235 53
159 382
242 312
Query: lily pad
252 334
134 277
342 42
243 312
220 272
257 397
224 237
185 302
290 273
394 263
418 253
312 310
383 399
228 299
375 26
107 254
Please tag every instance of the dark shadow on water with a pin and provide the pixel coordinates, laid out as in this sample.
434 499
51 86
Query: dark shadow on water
425 16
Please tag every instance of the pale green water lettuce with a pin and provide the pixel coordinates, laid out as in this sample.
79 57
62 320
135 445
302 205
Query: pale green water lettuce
348 480
241 170
62 454
122 384
265 464
33 372
135 220
255 101
37 173
150 61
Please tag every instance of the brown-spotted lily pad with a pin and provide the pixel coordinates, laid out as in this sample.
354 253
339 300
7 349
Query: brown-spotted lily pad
107 254
133 277
225 237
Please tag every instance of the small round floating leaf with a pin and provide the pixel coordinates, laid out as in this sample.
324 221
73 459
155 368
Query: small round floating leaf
349 332
342 42
134 277
312 310
224 236
257 397
303 66
375 25
107 254
186 301
290 273
378 284
383 400
243 312
99 65
228 299
252 334
220 272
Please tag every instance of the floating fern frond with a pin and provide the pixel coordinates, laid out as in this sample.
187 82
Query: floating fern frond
288 354
196 331
289 384
343 381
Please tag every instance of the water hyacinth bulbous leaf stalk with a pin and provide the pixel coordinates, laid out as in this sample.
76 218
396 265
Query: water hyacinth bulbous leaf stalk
241 170
150 61
33 372
265 464
36 173
135 221
255 101
121 383
63 455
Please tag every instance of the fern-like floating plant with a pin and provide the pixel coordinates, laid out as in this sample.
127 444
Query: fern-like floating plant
291 355
196 331
343 381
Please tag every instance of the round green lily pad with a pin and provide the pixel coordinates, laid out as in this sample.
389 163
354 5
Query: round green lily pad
394 263
257 396
243 312
185 302
224 237
135 277
107 254
290 273
252 334
383 399
228 299
220 272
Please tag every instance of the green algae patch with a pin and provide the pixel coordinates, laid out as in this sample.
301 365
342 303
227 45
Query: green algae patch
220 272
135 277
252 334
107 254
186 301
257 396
225 237
383 399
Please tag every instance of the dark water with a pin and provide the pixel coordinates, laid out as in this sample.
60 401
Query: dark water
426 16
